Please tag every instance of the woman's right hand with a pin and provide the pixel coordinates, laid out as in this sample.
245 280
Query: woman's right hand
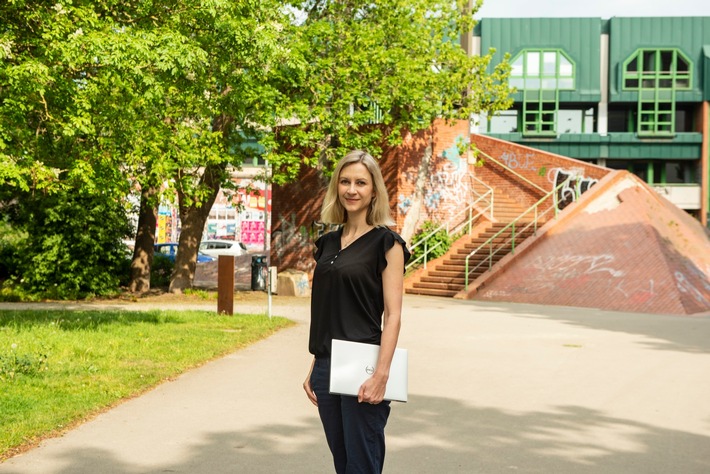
307 387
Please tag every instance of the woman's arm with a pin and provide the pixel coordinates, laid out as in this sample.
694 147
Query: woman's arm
307 386
373 390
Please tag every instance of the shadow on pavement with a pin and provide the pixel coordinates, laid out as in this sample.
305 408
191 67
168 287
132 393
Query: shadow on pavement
665 332
440 435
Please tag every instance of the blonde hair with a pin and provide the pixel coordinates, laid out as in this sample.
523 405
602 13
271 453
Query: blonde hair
378 214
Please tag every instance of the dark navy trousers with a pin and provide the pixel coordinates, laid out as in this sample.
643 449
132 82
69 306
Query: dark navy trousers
355 431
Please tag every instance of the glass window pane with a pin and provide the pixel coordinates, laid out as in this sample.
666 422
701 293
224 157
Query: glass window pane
649 61
589 120
569 121
633 66
533 66
678 172
506 122
549 63
516 82
549 84
517 67
631 83
681 64
666 61
532 83
565 67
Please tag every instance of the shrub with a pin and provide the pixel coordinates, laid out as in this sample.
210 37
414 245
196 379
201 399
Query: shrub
160 271
11 242
437 244
73 246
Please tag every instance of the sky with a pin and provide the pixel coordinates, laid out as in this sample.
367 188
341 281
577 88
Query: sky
591 8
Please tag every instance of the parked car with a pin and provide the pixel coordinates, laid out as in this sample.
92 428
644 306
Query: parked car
223 247
169 250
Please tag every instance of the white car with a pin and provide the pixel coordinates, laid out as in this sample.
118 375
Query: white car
222 247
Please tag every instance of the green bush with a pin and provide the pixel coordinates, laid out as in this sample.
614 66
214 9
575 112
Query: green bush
437 244
11 241
73 247
160 271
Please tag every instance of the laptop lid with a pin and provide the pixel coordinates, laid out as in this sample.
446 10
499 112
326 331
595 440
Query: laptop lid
351 363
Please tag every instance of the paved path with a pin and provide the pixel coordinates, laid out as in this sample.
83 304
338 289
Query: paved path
495 388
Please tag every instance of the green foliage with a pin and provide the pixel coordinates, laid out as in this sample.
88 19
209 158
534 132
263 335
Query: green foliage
100 97
160 271
437 244
14 364
11 240
370 70
73 247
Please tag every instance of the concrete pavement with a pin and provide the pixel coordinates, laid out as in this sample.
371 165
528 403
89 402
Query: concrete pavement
494 388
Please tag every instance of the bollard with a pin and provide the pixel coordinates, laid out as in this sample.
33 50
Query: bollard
225 284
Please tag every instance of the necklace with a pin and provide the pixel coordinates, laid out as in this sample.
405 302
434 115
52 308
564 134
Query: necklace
347 243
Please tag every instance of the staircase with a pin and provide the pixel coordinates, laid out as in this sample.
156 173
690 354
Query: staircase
446 275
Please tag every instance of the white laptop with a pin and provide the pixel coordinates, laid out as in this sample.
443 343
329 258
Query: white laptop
351 363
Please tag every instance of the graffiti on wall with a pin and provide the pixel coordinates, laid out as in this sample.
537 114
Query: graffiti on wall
447 181
525 162
573 184
298 240
404 203
577 272
684 285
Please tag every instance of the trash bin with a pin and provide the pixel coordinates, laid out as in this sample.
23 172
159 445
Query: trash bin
259 269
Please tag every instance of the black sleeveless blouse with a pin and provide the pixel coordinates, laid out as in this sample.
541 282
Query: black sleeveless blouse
347 299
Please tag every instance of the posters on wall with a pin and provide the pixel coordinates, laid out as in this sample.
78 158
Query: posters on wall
240 215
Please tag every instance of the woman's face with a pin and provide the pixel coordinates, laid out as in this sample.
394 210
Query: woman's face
355 188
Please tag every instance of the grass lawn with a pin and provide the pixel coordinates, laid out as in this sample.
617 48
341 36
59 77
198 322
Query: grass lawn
59 367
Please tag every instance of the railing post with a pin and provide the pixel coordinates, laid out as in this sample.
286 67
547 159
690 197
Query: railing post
426 252
465 280
512 239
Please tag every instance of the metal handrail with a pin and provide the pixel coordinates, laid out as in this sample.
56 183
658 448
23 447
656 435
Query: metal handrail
552 194
507 168
468 222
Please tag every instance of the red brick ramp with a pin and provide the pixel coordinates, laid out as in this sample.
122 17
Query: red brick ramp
621 247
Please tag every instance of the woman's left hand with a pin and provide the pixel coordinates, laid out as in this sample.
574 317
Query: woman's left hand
372 391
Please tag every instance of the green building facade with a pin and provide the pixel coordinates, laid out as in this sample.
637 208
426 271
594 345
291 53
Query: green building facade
625 93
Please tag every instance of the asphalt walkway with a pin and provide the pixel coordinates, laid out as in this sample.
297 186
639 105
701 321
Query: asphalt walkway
494 388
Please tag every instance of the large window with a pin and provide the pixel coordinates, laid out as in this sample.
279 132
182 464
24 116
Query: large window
540 74
657 74
659 171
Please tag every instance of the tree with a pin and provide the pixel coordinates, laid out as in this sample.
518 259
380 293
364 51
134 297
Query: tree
395 64
117 95
99 99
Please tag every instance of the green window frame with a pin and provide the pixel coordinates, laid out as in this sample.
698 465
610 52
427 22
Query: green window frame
656 74
541 74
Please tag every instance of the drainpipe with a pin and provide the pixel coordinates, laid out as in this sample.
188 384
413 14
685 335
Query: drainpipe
705 165
603 110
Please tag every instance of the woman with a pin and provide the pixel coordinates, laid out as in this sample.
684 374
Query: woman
357 296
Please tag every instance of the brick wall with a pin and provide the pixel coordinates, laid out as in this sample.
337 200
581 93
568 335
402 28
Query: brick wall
541 168
445 186
621 247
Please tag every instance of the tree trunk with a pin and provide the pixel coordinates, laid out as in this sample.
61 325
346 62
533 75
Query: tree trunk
192 221
194 217
145 240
